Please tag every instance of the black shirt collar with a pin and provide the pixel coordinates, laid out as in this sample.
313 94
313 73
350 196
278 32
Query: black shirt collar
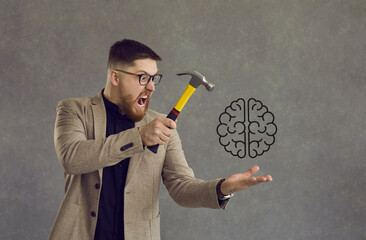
111 107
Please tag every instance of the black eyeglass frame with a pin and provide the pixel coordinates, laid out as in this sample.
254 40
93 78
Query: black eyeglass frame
156 82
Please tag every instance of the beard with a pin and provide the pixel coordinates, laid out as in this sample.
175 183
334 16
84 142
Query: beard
128 107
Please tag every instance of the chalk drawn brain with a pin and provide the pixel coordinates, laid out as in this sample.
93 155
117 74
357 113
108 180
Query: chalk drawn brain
246 128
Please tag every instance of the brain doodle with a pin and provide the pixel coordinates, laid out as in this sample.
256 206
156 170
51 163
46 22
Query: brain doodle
232 129
246 128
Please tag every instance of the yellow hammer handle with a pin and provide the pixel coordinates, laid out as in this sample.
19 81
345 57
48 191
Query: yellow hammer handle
184 98
176 110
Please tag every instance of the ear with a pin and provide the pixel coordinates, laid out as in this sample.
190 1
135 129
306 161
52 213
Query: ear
113 76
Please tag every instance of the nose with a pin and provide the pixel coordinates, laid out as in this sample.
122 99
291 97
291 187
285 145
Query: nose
150 86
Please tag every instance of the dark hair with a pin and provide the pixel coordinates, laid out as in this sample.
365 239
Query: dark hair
126 51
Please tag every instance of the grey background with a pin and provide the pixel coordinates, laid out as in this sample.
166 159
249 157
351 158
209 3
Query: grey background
305 60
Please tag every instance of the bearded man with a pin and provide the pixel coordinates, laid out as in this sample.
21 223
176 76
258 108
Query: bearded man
111 179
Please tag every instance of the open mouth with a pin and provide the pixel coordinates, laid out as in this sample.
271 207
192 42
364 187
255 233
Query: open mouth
142 101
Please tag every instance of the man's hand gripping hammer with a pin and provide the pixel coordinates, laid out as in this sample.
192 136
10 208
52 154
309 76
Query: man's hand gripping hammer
196 80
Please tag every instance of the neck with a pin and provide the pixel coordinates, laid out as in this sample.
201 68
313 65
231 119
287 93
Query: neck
111 94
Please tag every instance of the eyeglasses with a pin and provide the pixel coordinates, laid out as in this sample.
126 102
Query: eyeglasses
144 79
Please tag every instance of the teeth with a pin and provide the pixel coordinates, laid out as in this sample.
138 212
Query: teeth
142 100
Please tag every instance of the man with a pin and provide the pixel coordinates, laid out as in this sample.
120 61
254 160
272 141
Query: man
112 179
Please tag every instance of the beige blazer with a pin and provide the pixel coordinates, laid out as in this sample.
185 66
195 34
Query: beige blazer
84 151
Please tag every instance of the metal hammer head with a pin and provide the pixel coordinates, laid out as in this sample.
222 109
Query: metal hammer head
198 79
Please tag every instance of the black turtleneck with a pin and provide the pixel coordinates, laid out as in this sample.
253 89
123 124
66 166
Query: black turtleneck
110 214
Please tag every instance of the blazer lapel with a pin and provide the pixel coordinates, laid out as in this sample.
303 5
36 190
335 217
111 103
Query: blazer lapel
99 116
136 159
100 123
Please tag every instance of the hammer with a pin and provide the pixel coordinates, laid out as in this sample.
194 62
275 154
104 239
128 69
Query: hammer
196 80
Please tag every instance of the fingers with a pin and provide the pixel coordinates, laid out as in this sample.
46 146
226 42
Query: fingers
157 132
241 181
259 179
168 123
254 169
251 171
268 178
252 181
164 131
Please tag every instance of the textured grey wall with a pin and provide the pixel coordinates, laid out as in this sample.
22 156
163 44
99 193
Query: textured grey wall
304 59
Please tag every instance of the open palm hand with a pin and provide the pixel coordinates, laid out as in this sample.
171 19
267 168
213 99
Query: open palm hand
241 181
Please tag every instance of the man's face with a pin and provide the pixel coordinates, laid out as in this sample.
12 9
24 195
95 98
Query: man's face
134 98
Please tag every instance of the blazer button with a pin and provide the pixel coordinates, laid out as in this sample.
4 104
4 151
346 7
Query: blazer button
93 214
97 186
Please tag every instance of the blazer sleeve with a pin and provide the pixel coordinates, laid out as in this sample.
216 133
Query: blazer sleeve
79 155
179 179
